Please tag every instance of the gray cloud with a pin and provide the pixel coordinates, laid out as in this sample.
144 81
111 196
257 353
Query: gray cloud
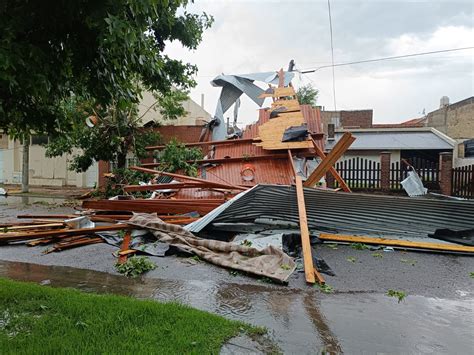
256 35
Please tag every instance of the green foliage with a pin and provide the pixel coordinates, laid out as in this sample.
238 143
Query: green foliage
397 294
118 179
110 50
48 320
351 259
116 133
175 156
135 266
325 288
246 243
359 246
307 95
332 246
377 255
471 275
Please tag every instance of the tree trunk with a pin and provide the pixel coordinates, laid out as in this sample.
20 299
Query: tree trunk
121 160
26 165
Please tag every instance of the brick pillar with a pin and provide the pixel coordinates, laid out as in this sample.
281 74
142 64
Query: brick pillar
445 172
385 171
330 181
104 167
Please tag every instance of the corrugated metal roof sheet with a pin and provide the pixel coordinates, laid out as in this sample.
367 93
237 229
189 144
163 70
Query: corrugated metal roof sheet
267 171
353 213
390 140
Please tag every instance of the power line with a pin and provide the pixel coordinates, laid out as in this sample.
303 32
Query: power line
306 71
332 58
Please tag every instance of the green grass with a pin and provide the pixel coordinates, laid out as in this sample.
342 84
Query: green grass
38 319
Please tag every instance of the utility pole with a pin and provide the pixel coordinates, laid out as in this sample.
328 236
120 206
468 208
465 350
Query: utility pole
26 165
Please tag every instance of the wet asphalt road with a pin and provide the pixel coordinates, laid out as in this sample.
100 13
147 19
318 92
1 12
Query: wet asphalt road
437 315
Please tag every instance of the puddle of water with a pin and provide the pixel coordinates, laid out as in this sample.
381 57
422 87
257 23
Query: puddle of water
300 321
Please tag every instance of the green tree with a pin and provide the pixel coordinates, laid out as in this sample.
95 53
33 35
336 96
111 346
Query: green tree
307 95
116 132
107 50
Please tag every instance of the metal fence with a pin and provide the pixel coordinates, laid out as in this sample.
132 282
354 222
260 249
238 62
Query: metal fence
359 173
463 181
428 171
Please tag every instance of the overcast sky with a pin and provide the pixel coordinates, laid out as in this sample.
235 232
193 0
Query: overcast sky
258 35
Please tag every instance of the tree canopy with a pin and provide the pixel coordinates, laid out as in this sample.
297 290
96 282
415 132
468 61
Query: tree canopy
105 50
307 95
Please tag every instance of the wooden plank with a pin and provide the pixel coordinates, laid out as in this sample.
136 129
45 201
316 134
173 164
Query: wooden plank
281 78
61 232
52 216
125 246
184 177
290 105
291 162
34 227
332 170
395 242
152 187
338 150
305 242
279 92
161 207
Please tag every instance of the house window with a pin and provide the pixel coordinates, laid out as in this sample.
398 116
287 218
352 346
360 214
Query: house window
39 139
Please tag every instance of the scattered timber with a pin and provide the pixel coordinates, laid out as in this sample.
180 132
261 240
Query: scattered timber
396 243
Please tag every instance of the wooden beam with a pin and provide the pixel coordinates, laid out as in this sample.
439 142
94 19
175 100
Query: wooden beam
305 242
152 187
281 78
338 150
189 178
396 243
62 232
125 246
332 170
292 163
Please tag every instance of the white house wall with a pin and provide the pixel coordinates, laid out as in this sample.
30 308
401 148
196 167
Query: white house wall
43 171
370 155
194 112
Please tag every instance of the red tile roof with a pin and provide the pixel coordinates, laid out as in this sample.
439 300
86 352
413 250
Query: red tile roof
415 122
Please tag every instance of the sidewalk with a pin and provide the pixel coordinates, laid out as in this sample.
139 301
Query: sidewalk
47 191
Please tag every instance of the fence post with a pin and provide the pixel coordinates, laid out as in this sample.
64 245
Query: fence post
385 170
445 172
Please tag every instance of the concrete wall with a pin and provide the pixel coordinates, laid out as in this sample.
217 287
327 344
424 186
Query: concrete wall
194 111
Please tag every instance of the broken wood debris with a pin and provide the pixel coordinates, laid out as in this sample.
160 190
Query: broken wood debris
396 243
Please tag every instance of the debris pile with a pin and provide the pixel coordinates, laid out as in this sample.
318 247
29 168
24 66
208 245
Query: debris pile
258 198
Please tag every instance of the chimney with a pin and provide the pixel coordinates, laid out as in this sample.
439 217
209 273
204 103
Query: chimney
443 102
202 100
331 131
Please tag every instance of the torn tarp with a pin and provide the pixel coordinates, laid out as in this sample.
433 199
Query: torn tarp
295 133
269 262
